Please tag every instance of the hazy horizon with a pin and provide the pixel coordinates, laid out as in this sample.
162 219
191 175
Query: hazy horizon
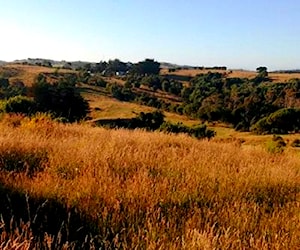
229 33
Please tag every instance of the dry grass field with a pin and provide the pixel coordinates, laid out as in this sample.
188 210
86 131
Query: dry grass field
26 73
104 107
276 77
144 190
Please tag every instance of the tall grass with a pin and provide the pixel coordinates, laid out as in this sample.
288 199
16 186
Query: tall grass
141 190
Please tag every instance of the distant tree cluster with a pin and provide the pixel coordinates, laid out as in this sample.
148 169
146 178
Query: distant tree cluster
155 82
119 68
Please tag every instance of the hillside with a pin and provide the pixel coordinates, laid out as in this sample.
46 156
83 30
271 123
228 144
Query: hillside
190 72
27 73
134 189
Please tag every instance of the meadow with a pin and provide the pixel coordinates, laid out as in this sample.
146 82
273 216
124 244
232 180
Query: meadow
74 186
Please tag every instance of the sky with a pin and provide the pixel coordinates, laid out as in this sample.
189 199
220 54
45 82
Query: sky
239 34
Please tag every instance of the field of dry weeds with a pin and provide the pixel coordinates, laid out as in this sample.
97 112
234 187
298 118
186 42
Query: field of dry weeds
141 190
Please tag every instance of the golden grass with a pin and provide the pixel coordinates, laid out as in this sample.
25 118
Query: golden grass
28 73
275 77
242 74
104 107
225 133
283 77
157 191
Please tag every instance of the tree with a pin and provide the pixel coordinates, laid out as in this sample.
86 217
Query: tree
262 74
261 69
116 66
147 67
281 121
4 82
152 81
61 99
100 67
150 121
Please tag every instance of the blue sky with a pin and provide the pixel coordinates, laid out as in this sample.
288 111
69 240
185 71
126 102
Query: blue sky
234 33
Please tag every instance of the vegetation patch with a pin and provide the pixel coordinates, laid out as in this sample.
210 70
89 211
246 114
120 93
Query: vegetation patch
155 121
282 121
276 145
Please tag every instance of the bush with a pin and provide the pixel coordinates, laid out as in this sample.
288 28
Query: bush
150 121
276 145
100 82
198 131
121 93
282 121
19 104
296 143
61 99
4 82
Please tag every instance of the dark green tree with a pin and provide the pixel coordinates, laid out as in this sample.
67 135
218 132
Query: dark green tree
282 121
147 67
4 82
262 75
61 99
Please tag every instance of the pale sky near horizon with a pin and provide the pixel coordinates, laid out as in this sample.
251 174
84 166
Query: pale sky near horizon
234 33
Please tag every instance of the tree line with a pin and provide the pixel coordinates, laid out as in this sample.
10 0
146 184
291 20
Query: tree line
244 103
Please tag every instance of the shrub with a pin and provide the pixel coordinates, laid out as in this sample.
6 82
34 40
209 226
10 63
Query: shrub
100 82
201 131
19 104
295 143
282 121
61 99
276 145
198 131
121 93
4 82
150 121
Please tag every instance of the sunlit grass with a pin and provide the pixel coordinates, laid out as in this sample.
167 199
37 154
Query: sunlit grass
157 191
275 77
104 107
